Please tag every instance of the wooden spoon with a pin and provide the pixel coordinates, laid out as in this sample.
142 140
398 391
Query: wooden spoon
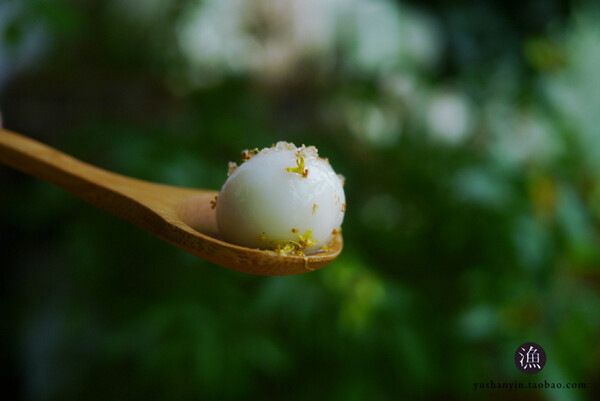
183 217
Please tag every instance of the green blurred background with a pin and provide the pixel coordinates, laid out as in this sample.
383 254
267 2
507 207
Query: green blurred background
469 135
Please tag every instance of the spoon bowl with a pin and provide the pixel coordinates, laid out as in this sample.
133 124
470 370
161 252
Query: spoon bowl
183 217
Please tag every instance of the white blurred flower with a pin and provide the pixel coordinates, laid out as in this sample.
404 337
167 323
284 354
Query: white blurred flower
450 117
519 136
384 35
375 124
210 35
271 38
376 32
421 38
575 91
401 85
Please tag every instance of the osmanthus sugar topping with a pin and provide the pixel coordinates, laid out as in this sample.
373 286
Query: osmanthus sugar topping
283 198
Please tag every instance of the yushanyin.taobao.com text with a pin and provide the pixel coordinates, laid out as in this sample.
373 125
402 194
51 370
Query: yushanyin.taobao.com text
515 385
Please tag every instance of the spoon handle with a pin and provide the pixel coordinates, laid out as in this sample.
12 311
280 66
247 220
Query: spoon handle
99 187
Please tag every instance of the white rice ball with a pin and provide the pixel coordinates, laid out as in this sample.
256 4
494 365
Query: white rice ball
282 198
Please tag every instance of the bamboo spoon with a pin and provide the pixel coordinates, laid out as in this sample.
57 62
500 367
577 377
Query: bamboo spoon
183 217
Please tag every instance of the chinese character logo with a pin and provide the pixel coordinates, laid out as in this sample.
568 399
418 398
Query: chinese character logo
530 358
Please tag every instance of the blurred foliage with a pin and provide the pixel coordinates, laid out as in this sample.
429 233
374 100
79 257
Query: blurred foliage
468 135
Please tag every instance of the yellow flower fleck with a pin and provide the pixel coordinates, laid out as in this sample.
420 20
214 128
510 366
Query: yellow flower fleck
314 208
248 154
299 168
295 247
288 247
306 240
